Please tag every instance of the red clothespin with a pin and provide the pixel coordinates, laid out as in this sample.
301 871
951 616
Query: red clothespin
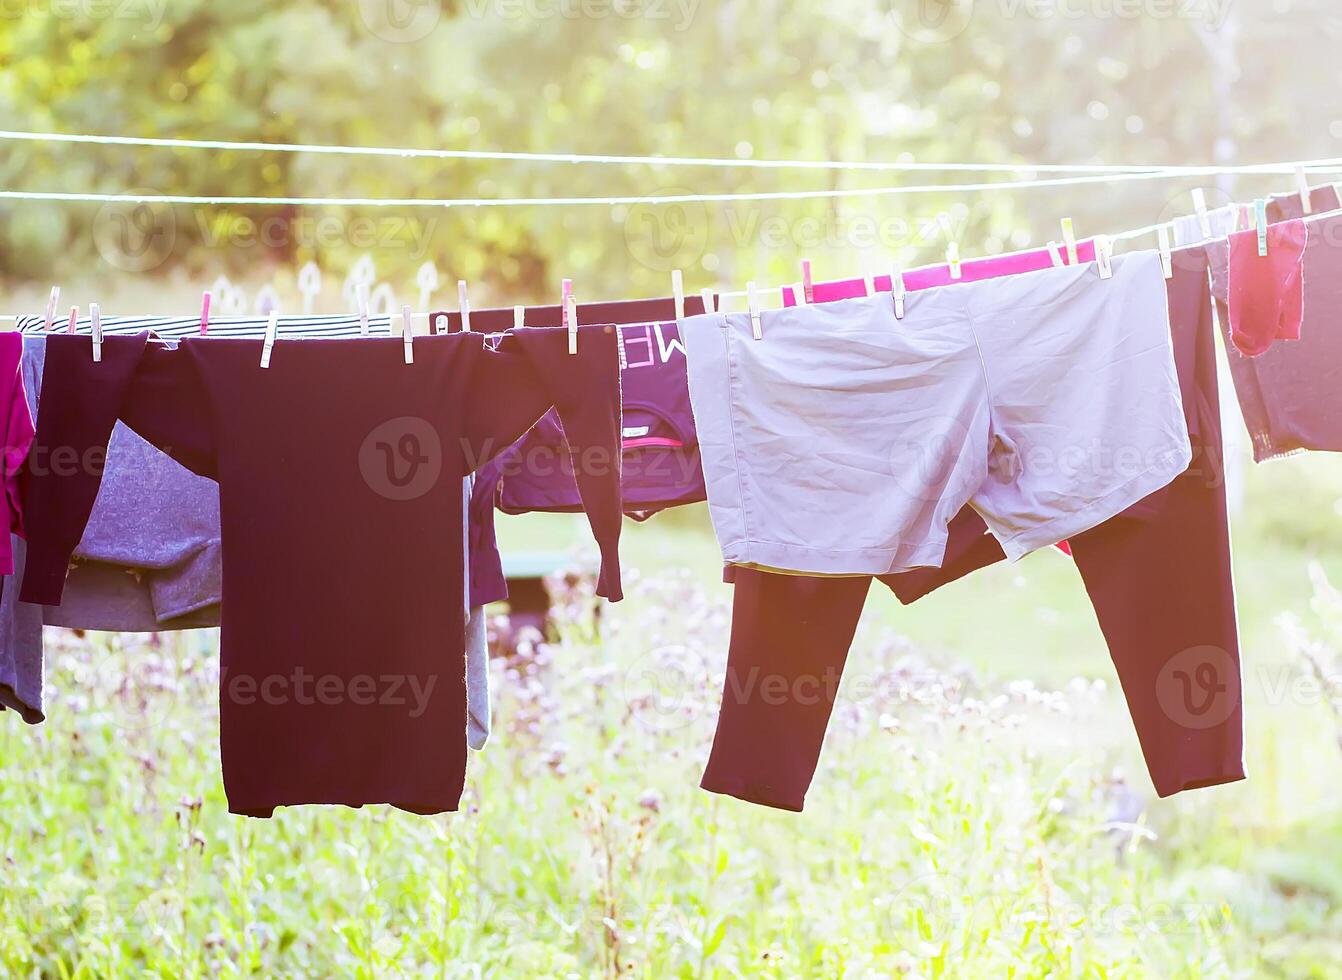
204 313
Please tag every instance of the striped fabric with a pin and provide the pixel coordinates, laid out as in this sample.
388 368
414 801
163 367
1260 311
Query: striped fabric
328 326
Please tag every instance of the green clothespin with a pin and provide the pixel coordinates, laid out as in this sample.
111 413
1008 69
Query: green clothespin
1260 216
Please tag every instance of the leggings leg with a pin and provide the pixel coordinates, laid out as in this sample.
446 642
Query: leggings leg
790 639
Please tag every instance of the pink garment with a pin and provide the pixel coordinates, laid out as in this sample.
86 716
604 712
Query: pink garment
17 437
972 270
1266 293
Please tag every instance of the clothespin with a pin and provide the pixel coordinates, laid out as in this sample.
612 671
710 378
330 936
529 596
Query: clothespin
1104 256
1166 257
309 284
706 295
97 319
439 324
799 294
571 305
407 335
51 307
753 300
565 320
897 290
1200 207
74 318
361 289
807 286
272 329
519 316
205 313
868 280
1069 240
678 292
464 304
1260 221
1055 255
427 281
1302 186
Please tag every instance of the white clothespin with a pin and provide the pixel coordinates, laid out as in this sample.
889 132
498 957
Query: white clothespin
1055 255
568 313
1104 256
97 319
807 286
1069 240
799 294
868 280
519 316
51 307
272 329
1200 208
309 284
678 292
953 260
361 291
1166 256
407 335
205 313
706 295
1260 221
74 319
464 304
426 278
897 290
439 323
754 302
1302 186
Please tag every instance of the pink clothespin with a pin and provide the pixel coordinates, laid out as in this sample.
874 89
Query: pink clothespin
204 313
807 286
74 318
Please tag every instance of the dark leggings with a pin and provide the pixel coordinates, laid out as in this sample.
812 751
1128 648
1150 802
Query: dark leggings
1158 576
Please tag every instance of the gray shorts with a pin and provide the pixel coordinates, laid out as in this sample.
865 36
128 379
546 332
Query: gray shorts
845 440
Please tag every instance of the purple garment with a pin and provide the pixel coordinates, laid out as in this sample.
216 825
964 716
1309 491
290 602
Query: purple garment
1291 395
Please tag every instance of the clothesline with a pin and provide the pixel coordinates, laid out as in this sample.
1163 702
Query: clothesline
420 202
662 161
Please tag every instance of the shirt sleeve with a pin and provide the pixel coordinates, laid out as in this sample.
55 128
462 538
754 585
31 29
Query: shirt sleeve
154 389
511 387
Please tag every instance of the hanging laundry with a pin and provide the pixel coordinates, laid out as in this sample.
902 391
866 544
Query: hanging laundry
1220 222
17 419
660 465
1291 395
20 678
846 440
149 559
340 471
1265 293
655 394
1158 576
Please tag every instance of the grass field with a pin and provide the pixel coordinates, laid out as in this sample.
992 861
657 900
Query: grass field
986 814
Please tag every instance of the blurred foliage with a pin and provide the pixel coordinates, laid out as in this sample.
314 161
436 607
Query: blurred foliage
1191 81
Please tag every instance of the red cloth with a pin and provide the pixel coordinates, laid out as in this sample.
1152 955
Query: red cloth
1266 292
